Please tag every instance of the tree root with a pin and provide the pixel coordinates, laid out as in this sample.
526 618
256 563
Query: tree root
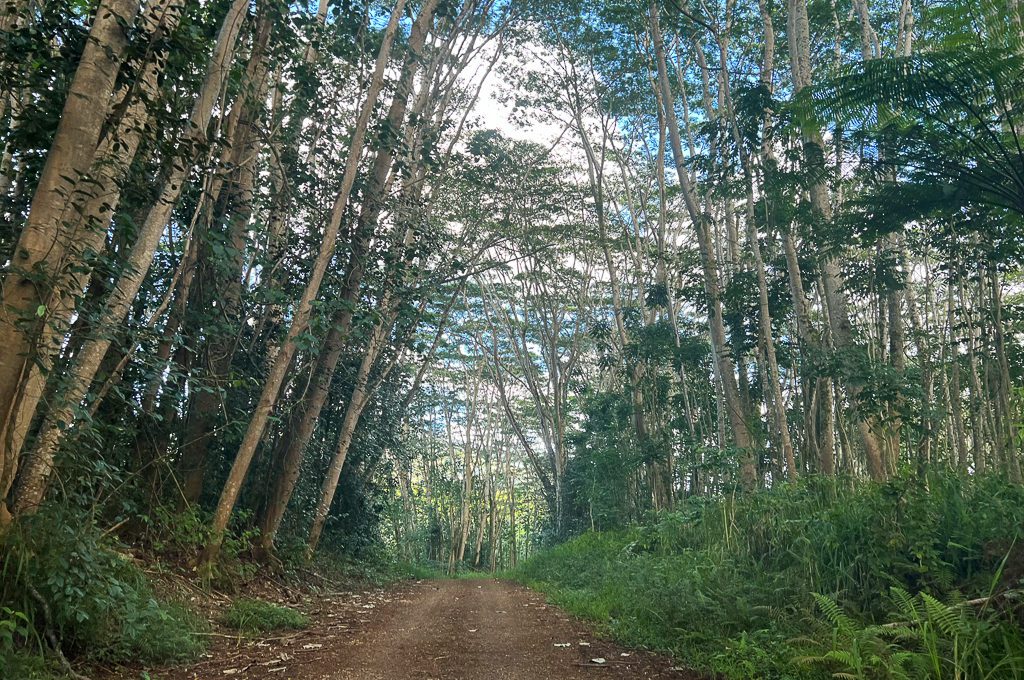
51 636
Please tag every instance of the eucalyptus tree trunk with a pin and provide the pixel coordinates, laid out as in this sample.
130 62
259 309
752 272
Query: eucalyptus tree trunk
481 523
469 452
361 394
15 16
513 551
777 404
221 292
483 451
737 415
492 518
1010 430
408 521
273 312
32 484
34 315
835 300
496 370
953 386
301 317
302 422
389 302
389 306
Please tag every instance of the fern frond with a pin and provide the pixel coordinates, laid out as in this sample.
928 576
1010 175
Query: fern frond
948 619
902 633
907 606
834 614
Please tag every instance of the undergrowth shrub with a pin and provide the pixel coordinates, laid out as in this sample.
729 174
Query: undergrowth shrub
63 575
20 648
22 665
176 536
926 638
378 567
257 616
727 584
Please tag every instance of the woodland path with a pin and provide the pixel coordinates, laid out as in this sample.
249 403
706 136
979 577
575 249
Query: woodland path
433 630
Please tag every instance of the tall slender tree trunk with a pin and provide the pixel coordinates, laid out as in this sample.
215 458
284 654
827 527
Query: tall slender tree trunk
492 521
481 522
301 317
776 401
835 301
513 550
732 402
353 412
1010 427
955 397
32 484
221 293
34 311
302 422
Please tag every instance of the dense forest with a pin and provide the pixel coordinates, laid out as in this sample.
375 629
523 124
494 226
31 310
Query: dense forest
704 317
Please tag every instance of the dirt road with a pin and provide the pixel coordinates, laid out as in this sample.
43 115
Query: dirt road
433 630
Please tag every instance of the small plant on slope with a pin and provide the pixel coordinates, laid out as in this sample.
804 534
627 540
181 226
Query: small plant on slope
257 616
927 639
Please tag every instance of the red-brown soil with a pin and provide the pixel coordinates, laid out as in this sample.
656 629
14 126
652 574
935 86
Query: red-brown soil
429 630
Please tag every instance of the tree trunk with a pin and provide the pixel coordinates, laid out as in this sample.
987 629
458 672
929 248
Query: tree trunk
32 484
742 437
838 313
774 378
34 316
353 412
300 320
302 422
1010 428
222 292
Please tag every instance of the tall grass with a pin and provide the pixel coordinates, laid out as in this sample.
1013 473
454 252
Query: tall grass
729 584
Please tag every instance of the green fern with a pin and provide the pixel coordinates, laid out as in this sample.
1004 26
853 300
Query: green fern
947 618
906 605
835 614
948 119
927 639
859 652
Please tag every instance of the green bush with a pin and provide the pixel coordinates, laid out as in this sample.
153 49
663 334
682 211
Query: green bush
257 616
63 575
375 567
925 639
727 584
20 647
177 536
418 570
24 665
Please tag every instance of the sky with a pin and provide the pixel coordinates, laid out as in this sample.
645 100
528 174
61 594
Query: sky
492 112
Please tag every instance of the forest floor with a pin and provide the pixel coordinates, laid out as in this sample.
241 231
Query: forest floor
472 629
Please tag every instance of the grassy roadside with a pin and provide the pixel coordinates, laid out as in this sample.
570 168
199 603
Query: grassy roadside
812 579
68 588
